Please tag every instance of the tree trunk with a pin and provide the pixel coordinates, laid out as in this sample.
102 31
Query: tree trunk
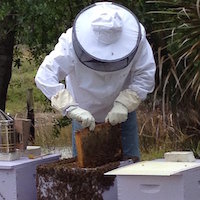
30 114
6 57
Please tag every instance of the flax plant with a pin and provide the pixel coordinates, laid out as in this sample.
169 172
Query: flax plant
177 23
180 23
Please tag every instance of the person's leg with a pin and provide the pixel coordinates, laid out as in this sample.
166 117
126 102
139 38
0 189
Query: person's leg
75 127
130 140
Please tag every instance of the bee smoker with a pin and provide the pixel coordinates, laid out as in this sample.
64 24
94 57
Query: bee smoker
7 134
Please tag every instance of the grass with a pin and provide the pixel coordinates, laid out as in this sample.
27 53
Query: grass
152 154
23 79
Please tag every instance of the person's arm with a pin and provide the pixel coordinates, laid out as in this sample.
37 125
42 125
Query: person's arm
143 70
55 67
142 83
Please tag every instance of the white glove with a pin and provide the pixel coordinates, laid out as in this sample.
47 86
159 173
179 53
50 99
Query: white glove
130 99
126 102
81 115
62 100
118 114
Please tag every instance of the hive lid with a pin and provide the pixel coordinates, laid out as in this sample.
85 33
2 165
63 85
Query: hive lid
4 116
152 168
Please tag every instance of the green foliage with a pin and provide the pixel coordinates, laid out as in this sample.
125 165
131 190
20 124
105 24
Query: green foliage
60 123
178 22
178 61
23 79
39 23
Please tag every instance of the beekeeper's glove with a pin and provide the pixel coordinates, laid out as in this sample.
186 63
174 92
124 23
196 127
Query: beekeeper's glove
81 115
126 102
65 104
62 100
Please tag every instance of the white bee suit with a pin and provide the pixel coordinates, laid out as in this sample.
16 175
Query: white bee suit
108 68
92 90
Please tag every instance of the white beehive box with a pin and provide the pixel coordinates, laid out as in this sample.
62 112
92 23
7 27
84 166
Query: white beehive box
158 180
18 178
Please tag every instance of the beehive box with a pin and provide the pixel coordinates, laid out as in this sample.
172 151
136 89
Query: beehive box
18 178
158 180
98 147
65 180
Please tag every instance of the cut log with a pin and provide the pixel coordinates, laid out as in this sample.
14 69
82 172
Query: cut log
98 147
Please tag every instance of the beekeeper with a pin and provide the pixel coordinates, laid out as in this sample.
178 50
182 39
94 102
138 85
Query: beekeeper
108 67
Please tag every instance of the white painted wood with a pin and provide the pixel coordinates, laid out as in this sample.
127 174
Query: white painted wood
178 183
179 156
151 168
18 178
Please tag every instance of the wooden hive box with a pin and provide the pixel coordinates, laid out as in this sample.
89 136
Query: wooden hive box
98 147
65 180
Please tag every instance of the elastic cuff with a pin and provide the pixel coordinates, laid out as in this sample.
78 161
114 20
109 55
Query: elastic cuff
70 108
